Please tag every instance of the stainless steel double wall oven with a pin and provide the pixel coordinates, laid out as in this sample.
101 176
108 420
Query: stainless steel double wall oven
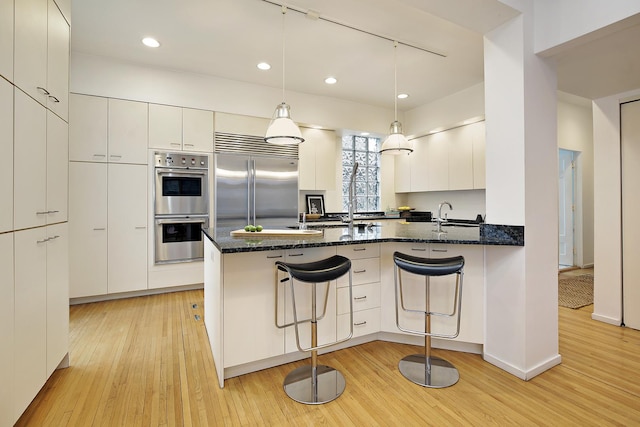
181 194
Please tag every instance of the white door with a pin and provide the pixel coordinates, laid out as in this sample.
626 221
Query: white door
565 207
630 141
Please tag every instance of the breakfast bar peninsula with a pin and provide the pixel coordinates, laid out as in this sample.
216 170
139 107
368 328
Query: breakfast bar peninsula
244 296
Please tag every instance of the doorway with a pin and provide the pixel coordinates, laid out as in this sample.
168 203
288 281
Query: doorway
566 208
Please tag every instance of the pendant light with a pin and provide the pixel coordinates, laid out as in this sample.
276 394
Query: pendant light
396 143
282 130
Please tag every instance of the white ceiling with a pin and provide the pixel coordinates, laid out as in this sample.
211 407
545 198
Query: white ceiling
227 38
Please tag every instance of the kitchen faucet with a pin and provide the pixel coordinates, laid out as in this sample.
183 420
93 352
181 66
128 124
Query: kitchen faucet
352 194
439 219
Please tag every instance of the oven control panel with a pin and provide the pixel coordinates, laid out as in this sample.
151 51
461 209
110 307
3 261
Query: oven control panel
181 160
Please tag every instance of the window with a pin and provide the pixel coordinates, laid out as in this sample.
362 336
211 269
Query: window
365 151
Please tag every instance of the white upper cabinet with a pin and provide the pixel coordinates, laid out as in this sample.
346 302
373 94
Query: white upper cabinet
58 63
57 169
176 128
417 167
30 66
41 56
30 179
240 125
6 39
197 130
127 131
165 127
318 156
87 128
437 162
6 148
461 158
402 172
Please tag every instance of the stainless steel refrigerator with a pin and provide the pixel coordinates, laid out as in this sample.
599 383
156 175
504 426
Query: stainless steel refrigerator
255 190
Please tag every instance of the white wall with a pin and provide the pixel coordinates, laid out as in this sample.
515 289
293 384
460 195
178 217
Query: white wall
560 22
607 207
575 133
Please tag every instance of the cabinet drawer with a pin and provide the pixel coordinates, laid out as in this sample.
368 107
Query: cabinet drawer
359 251
309 254
363 271
364 322
364 298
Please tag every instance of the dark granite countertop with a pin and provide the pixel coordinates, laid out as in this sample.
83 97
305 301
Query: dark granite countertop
383 231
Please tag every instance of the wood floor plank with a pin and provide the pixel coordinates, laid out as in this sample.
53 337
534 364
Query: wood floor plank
146 362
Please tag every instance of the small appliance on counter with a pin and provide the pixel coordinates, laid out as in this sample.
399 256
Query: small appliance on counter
418 216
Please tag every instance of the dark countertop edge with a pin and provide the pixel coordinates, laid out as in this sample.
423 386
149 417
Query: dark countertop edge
490 235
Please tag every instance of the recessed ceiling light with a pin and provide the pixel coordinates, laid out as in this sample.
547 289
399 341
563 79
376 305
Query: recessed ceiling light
150 41
264 66
330 80
403 96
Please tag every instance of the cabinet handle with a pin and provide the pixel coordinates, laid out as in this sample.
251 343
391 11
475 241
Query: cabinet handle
359 249
115 156
42 90
439 250
52 212
42 212
99 229
360 298
53 98
419 249
296 255
360 324
99 155
273 256
52 238
43 241
359 271
188 145
175 143
141 227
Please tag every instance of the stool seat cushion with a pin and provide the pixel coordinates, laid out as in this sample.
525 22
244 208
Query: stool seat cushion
428 266
317 271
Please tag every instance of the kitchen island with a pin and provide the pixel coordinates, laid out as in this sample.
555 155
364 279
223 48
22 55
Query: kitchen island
243 302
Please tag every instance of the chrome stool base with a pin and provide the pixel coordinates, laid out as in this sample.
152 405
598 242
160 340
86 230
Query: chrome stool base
415 369
299 385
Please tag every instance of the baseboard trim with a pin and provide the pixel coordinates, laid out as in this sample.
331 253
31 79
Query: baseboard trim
122 295
525 375
606 319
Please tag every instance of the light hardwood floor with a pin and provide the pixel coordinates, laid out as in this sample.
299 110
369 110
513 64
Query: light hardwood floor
146 362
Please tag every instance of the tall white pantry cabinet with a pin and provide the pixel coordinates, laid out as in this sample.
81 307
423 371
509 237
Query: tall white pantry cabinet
34 266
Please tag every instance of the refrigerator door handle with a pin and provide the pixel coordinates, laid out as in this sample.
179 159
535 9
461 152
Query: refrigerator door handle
252 192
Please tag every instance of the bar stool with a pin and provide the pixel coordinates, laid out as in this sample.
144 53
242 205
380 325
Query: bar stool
425 369
314 384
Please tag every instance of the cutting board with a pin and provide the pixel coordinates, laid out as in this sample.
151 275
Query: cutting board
277 233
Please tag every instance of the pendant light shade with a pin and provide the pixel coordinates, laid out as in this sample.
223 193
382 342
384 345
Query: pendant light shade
396 143
282 130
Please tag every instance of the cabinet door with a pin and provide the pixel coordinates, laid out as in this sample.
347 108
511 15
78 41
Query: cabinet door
6 147
6 329
402 172
472 313
318 156
57 168
128 131
30 55
127 236
57 295
479 159
197 130
6 39
30 327
165 127
87 128
58 62
418 164
87 229
30 145
461 158
240 125
250 332
307 162
437 162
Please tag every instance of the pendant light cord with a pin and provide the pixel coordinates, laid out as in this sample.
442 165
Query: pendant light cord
395 79
284 12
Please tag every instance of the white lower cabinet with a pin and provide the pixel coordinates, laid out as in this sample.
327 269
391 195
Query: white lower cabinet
108 236
250 332
41 309
6 329
472 319
127 228
6 147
